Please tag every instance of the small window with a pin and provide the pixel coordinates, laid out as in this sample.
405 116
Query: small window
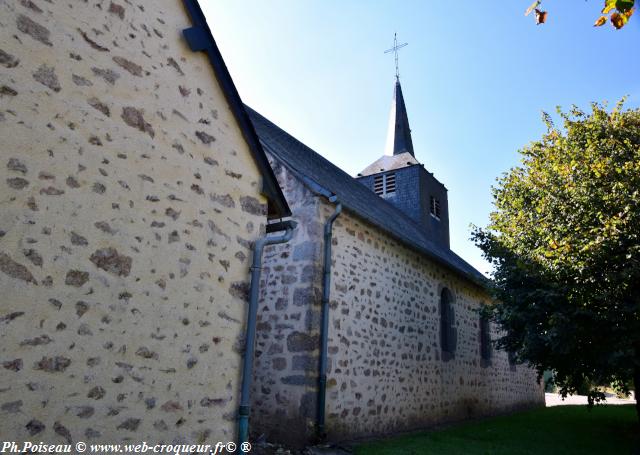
448 334
511 357
384 184
485 340
435 207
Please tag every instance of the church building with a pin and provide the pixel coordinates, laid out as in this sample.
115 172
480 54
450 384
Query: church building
134 192
368 322
138 193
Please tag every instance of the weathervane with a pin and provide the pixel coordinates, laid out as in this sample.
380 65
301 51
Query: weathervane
395 49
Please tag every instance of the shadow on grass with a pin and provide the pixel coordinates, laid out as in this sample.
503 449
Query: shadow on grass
557 430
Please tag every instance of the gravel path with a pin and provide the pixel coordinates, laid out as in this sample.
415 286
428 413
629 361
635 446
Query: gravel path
554 399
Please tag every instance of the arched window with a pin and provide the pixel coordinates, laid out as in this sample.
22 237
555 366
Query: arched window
448 334
485 341
511 357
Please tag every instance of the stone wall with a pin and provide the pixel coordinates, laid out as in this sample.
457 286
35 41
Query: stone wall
129 204
385 371
286 364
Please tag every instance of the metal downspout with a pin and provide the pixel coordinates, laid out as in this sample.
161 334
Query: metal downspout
247 368
324 328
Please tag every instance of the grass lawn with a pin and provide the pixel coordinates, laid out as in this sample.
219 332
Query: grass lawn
557 430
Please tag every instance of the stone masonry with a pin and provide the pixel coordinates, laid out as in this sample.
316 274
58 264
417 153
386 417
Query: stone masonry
129 205
286 364
385 370
386 373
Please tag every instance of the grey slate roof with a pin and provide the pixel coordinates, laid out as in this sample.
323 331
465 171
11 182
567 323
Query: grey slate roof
356 197
399 140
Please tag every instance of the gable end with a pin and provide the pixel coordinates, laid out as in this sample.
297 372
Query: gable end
199 38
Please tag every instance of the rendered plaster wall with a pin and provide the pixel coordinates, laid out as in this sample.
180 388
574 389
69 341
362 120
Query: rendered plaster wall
286 364
386 373
129 204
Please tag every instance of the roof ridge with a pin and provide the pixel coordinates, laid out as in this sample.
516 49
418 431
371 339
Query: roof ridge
399 212
395 222
284 133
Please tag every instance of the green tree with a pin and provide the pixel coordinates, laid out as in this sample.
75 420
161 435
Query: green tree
564 240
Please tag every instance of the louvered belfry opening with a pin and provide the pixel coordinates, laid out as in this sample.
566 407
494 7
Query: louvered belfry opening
390 182
384 184
378 184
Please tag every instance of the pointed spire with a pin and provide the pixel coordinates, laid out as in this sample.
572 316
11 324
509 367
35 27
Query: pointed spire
399 133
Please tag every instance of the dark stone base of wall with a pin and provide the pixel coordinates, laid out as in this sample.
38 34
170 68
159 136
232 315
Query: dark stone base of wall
344 438
298 433
291 433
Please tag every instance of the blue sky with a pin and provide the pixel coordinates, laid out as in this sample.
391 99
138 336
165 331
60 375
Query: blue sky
475 80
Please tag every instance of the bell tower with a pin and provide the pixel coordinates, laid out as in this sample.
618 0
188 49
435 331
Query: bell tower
399 178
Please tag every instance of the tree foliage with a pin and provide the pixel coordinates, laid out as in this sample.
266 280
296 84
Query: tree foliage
617 12
564 240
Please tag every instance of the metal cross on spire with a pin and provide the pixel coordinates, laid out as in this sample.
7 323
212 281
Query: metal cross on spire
395 49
